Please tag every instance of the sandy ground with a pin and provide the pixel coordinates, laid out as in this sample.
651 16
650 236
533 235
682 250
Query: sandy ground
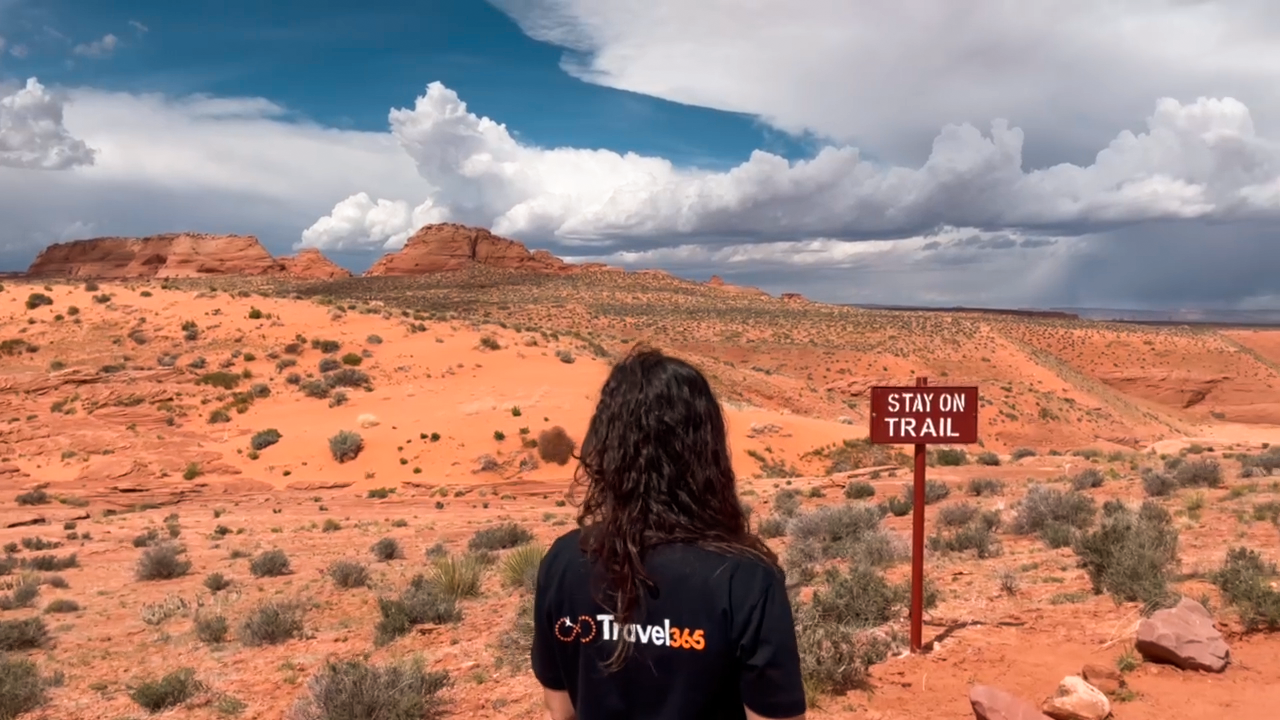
121 442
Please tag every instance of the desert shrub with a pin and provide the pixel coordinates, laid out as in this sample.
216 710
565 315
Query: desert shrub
1020 453
345 445
216 582
421 603
348 377
957 514
220 379
555 446
499 537
1043 505
984 487
352 359
327 347
987 458
347 574
25 634
834 658
852 532
146 539
38 496
859 597
62 605
169 691
898 506
356 690
260 390
272 622
514 643
853 454
950 457
1260 465
1157 484
519 568
1204 472
772 527
1247 583
270 563
50 563
386 549
329 364
212 628
219 416
23 595
859 490
264 439
317 389
35 300
1087 479
977 533
457 576
1132 554
39 543
162 562
374 339
786 502
22 689
934 491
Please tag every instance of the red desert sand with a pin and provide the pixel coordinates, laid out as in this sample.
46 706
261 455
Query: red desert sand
222 471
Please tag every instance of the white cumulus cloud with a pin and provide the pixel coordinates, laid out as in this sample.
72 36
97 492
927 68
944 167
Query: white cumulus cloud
1202 159
32 134
100 48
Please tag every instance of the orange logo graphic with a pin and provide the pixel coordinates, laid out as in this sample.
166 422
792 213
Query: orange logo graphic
583 629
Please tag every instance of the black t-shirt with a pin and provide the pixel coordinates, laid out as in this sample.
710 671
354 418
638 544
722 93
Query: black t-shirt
717 633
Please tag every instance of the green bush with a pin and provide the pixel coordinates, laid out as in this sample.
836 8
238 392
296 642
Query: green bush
934 491
421 603
1043 505
499 537
1087 479
22 689
950 457
272 622
264 439
352 359
347 574
520 567
984 487
859 490
169 691
345 446
1157 484
988 458
220 379
1131 555
1020 453
162 562
356 690
387 549
270 563
1246 581
25 634
786 502
212 628
1203 472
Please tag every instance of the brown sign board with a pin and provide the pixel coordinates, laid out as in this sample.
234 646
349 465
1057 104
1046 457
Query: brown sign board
922 415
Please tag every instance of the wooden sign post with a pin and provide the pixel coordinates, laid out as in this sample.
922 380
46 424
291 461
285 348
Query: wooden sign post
922 416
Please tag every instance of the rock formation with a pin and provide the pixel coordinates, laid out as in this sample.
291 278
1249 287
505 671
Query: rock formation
1183 636
448 246
717 282
178 255
311 263
992 703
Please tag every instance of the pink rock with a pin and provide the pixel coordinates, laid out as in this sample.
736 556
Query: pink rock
990 703
1183 636
1077 700
1107 679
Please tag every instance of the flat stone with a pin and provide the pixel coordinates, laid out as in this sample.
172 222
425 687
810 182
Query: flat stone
1077 700
992 703
1183 636
1107 679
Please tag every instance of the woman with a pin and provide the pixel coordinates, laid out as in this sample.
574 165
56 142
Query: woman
662 604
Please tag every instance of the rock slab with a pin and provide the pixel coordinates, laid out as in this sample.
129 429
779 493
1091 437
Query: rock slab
1107 679
445 247
992 703
1183 636
1077 700
175 255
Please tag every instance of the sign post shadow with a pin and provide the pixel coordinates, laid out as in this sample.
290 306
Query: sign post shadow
922 416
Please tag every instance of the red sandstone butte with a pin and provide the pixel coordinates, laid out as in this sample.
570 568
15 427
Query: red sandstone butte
447 246
717 282
176 255
311 263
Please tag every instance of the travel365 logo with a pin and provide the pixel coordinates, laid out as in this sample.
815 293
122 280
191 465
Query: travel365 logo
585 628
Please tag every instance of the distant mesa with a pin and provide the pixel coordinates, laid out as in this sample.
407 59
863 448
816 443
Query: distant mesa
717 282
177 255
444 247
794 298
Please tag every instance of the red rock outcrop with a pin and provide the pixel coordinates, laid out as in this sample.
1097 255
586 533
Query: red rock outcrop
717 282
448 246
160 256
176 255
794 298
311 263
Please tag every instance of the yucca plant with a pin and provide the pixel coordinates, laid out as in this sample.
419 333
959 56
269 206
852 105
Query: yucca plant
520 567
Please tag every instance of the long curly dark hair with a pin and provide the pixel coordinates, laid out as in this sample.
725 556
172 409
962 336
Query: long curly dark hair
656 469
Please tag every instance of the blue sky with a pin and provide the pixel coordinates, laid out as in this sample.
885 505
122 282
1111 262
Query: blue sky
920 152
344 64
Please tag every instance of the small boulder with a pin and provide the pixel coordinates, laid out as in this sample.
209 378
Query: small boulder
1183 636
991 703
1077 700
1107 679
